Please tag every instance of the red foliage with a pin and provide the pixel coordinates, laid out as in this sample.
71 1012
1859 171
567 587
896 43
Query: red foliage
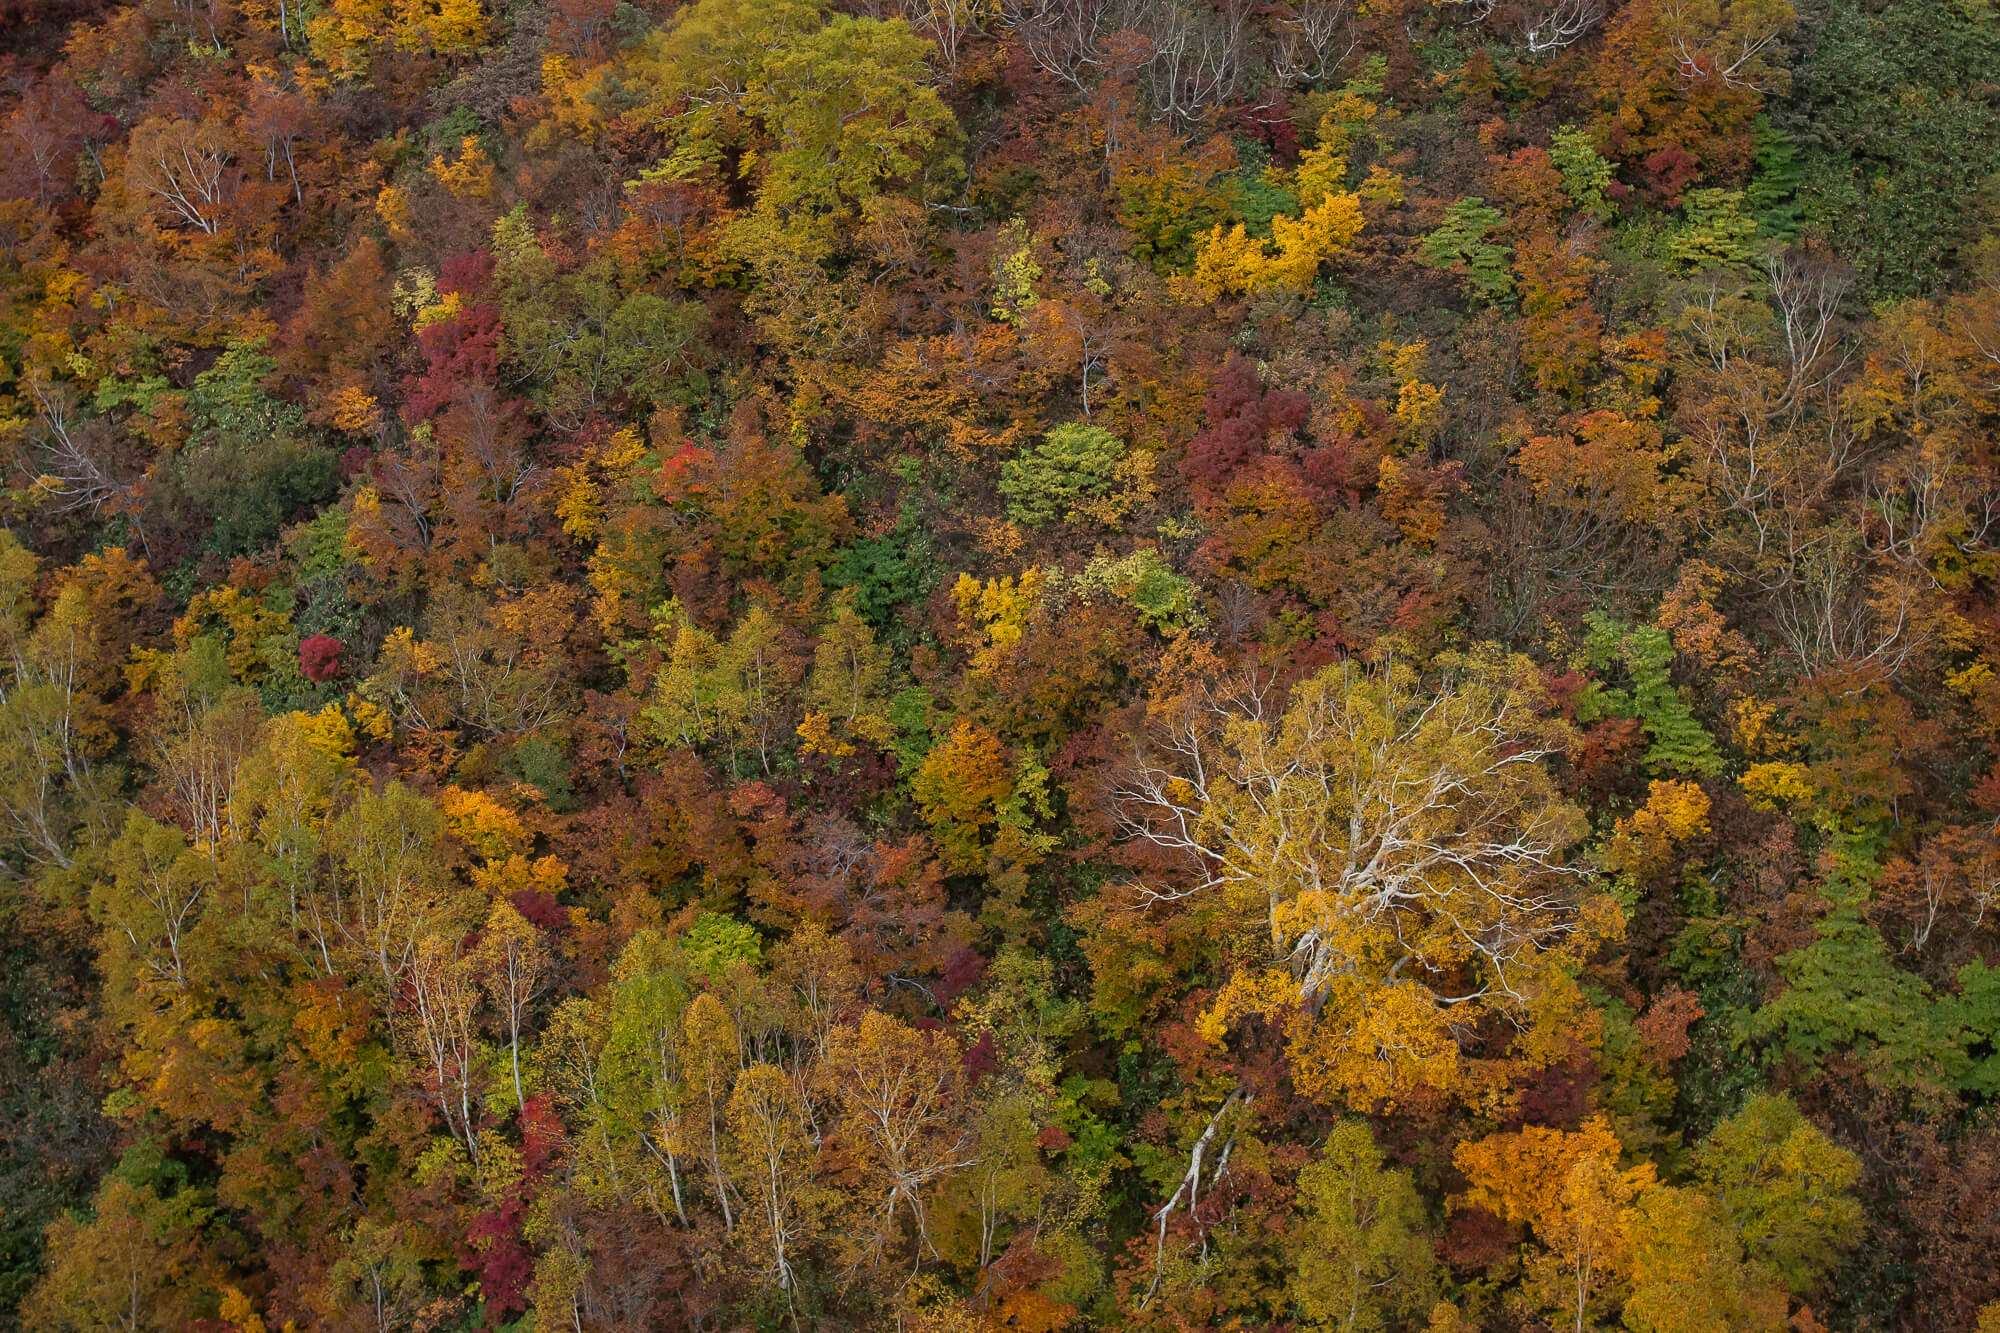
1242 418
319 658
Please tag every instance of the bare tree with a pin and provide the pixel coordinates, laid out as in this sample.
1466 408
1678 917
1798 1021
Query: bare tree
1313 37
1563 24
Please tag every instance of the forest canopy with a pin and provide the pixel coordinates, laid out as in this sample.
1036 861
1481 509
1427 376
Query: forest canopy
1000 666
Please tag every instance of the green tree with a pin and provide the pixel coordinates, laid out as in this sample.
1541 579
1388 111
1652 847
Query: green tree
1585 173
1461 244
1783 1186
1072 463
1361 1258
1679 742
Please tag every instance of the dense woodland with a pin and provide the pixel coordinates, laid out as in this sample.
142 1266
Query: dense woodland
958 665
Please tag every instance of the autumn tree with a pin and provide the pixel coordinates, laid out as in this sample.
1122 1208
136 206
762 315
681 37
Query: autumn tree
1395 847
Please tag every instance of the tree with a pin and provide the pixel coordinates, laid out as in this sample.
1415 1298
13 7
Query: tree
1568 1187
393 890
1689 1272
185 168
845 106
150 908
1461 244
513 965
1363 1260
438 1024
900 1099
849 681
772 1161
1782 1185
137 1264
962 787
1397 847
1073 463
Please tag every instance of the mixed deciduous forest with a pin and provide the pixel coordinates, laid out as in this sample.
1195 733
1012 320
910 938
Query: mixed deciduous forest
963 665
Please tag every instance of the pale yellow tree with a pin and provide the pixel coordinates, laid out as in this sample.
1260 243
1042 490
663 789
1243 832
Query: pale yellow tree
1392 847
512 964
771 1158
900 1098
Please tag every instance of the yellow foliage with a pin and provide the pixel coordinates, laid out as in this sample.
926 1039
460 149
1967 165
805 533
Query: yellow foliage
1750 725
1232 261
1522 1176
1415 508
579 502
469 175
355 411
1322 168
372 719
392 205
339 37
1383 186
1372 1044
1642 843
239 1313
404 654
482 823
1969 681
328 732
250 627
444 26
816 737
502 877
1774 783
1000 609
1419 408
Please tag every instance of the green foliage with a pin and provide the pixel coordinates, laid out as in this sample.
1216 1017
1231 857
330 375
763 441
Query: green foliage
1713 232
230 397
1461 243
910 714
1072 463
252 486
319 545
1255 193
540 762
1783 1186
1679 742
589 337
715 942
1773 192
847 106
1165 601
1585 173
1842 993
1975 1013
1895 134
888 573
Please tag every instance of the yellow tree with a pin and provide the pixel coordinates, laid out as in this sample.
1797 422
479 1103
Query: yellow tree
710 1053
1388 854
1689 1272
512 964
138 1264
849 681
1568 1188
395 887
55 670
1363 1261
771 1157
438 1027
899 1095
